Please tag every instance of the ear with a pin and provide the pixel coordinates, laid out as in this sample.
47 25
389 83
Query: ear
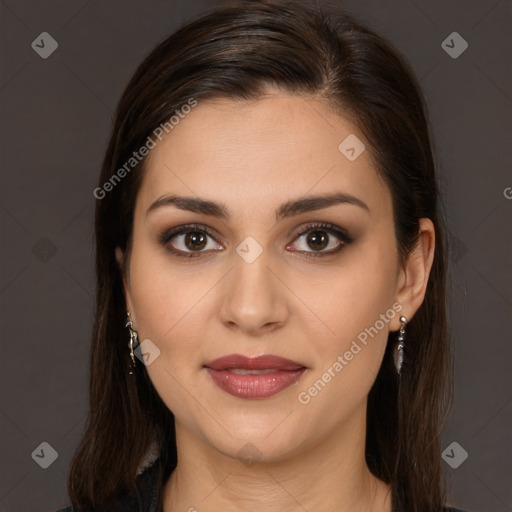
122 262
413 279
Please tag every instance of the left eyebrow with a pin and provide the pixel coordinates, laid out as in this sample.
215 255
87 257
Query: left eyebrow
286 210
312 203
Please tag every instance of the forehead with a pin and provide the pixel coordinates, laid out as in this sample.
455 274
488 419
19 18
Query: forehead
254 154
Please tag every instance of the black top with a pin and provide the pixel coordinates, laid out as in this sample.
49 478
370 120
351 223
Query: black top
149 490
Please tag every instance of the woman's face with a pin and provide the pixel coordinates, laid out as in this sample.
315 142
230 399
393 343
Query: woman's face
254 286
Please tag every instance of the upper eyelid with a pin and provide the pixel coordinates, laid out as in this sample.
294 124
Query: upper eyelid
327 226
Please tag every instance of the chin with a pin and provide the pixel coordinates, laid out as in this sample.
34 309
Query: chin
265 437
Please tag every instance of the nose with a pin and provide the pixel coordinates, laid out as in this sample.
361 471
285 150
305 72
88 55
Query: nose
254 300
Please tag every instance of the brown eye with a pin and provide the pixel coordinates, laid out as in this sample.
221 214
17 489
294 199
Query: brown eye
195 240
189 241
317 240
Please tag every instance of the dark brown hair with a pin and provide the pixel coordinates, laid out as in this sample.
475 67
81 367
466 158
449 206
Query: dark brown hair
234 52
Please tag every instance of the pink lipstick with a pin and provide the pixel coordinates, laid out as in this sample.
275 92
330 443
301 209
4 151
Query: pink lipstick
257 377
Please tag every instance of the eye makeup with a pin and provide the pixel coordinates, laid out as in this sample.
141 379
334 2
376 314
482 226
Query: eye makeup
317 228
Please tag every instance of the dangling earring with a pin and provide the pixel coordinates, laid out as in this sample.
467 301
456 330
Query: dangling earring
133 343
398 354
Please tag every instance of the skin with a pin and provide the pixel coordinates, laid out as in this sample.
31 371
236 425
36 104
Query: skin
252 157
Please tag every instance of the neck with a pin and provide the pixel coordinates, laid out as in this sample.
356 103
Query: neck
331 475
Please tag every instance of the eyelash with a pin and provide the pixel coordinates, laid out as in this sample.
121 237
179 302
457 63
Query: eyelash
332 229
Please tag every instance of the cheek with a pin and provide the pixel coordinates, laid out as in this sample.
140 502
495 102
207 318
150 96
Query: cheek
165 294
349 353
350 299
163 319
170 302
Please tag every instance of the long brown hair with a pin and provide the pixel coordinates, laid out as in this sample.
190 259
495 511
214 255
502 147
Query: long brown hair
233 52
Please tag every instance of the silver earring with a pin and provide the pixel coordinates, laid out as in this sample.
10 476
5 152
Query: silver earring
133 343
398 354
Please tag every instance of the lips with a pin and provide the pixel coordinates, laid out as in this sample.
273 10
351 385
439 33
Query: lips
257 377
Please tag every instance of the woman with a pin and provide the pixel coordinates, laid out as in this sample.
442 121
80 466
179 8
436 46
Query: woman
270 325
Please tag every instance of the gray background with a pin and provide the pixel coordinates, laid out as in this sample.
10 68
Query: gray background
56 114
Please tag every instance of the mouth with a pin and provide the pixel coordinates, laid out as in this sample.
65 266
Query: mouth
254 378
